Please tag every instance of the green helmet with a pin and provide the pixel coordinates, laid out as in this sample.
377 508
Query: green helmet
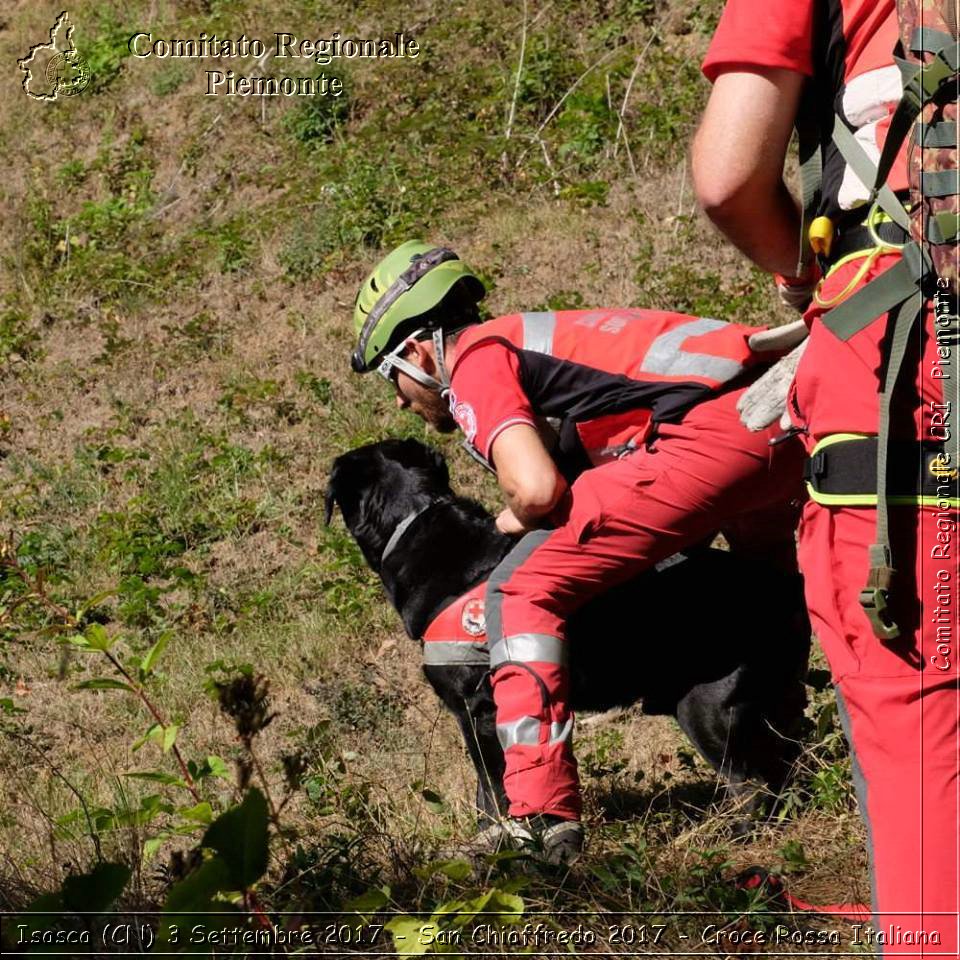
407 284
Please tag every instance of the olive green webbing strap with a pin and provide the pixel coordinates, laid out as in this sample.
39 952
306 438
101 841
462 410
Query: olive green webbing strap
897 292
873 597
921 83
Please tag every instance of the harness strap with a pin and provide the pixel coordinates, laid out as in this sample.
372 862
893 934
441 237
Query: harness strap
863 167
842 471
811 173
943 227
942 133
901 282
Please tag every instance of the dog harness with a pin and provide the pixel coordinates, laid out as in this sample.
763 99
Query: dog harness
458 634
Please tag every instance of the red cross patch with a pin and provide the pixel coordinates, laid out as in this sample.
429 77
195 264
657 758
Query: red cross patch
472 619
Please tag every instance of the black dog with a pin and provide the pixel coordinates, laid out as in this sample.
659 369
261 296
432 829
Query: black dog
708 638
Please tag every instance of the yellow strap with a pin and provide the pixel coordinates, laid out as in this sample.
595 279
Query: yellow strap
871 255
870 500
832 438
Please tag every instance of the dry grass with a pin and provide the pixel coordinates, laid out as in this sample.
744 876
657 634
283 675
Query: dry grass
199 389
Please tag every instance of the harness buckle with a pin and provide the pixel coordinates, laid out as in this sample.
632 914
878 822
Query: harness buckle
875 595
815 467
874 603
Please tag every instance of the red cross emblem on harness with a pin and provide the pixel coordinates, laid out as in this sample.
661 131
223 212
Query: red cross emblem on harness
472 619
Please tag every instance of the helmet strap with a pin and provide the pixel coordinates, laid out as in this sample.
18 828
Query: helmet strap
438 353
399 362
414 372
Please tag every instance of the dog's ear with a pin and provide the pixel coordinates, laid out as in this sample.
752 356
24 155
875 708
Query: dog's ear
329 504
440 466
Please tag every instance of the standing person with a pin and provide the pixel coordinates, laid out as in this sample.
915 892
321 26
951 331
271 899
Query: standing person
775 65
647 397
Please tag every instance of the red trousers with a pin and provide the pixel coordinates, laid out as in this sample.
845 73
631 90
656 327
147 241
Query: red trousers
900 707
705 474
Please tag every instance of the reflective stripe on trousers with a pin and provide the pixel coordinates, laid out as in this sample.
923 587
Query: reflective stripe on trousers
531 690
526 730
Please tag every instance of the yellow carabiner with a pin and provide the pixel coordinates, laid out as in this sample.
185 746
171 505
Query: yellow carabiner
820 235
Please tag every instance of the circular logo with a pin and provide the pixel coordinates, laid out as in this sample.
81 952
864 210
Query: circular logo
68 73
472 619
466 419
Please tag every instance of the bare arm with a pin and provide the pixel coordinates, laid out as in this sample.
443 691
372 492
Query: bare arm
529 478
738 157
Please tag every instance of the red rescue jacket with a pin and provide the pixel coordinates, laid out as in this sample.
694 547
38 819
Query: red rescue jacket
601 378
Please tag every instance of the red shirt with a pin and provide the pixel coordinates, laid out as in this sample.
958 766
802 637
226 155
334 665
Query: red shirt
604 377
835 389
851 57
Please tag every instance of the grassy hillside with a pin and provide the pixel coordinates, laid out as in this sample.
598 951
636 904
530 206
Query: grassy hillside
176 283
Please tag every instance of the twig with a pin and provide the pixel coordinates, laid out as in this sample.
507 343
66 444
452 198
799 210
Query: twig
633 166
550 167
274 815
683 184
576 83
68 620
516 82
626 97
94 836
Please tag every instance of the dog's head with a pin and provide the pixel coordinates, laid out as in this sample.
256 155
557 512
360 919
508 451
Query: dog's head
377 485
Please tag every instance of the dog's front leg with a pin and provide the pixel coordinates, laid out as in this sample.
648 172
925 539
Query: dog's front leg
465 690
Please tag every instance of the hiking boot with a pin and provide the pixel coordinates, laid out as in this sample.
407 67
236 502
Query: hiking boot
558 841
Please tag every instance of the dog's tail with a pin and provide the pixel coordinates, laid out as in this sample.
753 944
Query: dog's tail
329 504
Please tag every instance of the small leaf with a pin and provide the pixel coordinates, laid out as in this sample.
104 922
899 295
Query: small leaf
240 837
98 638
454 869
201 812
169 737
508 905
103 683
218 768
408 936
94 601
96 890
157 776
825 719
148 662
368 903
151 847
153 732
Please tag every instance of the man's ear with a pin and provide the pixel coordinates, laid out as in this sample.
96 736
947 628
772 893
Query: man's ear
420 354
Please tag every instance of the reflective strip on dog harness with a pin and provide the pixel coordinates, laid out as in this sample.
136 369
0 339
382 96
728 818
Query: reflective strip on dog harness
526 732
457 635
444 653
538 332
666 358
529 648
